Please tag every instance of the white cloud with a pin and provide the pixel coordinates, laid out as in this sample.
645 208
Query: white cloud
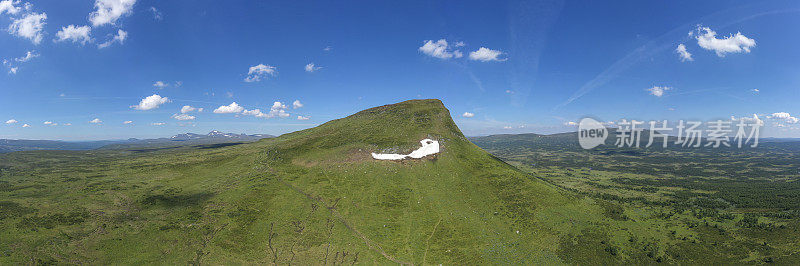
658 91
158 124
96 121
50 123
439 49
183 117
485 55
736 43
300 117
127 122
11 69
467 114
187 109
119 38
753 119
26 125
67 124
156 14
11 121
9 7
75 34
160 84
257 72
755 90
229 109
786 117
255 112
178 84
151 102
27 57
508 127
310 67
780 115
109 11
278 109
296 104
29 26
570 123
684 55
327 48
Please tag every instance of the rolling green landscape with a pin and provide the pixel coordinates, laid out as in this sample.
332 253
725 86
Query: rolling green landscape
316 196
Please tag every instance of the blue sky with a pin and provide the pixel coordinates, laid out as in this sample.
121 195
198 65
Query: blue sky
499 66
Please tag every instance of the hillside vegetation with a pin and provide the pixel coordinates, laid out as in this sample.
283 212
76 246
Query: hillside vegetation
317 197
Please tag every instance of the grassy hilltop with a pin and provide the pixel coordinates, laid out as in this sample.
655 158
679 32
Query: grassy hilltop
317 197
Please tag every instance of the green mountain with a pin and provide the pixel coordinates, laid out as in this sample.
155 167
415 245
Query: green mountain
314 197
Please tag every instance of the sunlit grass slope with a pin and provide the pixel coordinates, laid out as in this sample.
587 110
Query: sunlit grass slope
309 197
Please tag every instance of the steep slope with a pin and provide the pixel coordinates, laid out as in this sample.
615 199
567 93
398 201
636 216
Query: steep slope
459 206
310 197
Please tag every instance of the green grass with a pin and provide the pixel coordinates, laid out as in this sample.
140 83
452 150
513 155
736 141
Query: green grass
316 197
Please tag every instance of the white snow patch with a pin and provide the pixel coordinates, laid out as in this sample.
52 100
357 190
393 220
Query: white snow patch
429 147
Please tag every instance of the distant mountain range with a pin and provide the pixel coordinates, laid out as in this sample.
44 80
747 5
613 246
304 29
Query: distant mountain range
213 137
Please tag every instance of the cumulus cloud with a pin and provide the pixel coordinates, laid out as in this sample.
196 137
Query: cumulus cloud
50 123
158 124
187 109
119 38
11 121
755 90
296 104
467 114
160 84
229 109
310 67
570 123
29 26
781 115
151 102
300 117
683 54
658 91
96 121
255 112
439 49
26 125
75 34
27 57
127 122
278 109
754 119
9 7
484 54
737 43
183 117
109 11
257 72
784 116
